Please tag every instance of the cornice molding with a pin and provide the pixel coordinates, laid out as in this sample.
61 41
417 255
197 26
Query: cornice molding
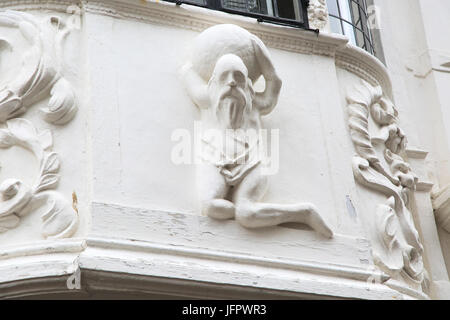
43 247
199 19
29 5
365 66
317 268
347 56
46 268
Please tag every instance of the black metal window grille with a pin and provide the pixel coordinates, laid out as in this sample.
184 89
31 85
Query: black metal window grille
286 12
350 18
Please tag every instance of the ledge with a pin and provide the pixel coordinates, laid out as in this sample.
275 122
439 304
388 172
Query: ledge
441 206
132 265
109 269
347 56
143 274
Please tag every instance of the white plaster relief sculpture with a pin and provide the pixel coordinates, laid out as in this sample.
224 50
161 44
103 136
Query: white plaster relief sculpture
39 76
226 62
374 131
40 72
317 14
17 199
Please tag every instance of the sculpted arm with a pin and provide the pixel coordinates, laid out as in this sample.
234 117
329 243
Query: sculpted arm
195 86
265 101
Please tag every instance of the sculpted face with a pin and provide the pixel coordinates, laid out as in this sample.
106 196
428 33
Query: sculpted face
230 91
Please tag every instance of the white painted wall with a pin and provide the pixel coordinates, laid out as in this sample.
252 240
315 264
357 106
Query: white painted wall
116 153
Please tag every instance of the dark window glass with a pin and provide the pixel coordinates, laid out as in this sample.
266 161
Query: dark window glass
256 6
286 9
235 4
289 12
199 2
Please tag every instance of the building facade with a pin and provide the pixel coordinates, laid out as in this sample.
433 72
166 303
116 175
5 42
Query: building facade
113 183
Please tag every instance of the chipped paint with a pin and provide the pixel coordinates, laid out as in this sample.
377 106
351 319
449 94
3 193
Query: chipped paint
74 202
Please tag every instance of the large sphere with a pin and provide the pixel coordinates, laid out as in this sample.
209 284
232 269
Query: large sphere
223 39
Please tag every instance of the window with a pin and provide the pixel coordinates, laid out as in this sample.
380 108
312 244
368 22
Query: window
349 17
288 12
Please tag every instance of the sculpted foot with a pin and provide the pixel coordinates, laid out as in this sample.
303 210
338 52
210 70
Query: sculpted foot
316 222
259 215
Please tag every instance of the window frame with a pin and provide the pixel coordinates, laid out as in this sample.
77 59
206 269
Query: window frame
368 45
217 5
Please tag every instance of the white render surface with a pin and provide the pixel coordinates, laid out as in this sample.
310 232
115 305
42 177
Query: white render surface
133 216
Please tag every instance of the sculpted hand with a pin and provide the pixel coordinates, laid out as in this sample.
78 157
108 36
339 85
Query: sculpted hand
266 101
263 59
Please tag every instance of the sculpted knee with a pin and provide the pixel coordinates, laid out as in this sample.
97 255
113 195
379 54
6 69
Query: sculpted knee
220 209
310 208
245 215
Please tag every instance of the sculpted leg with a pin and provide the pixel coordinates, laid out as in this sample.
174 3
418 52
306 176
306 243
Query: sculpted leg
212 191
254 214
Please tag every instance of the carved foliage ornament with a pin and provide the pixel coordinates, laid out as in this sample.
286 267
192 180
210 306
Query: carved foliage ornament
317 14
39 77
374 131
40 72
60 219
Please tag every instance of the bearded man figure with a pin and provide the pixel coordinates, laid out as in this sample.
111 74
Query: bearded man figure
231 180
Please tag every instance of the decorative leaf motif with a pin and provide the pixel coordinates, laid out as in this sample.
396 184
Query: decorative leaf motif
6 139
9 222
387 223
60 220
62 105
317 14
360 99
10 105
384 112
51 164
28 30
364 94
414 267
402 247
25 135
22 129
8 19
38 73
388 227
46 139
371 178
5 45
47 181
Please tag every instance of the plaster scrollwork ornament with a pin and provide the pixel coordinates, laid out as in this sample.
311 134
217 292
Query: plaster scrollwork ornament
317 14
18 199
40 72
381 166
38 77
226 62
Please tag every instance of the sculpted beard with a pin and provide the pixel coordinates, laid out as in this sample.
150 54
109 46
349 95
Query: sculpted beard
230 104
